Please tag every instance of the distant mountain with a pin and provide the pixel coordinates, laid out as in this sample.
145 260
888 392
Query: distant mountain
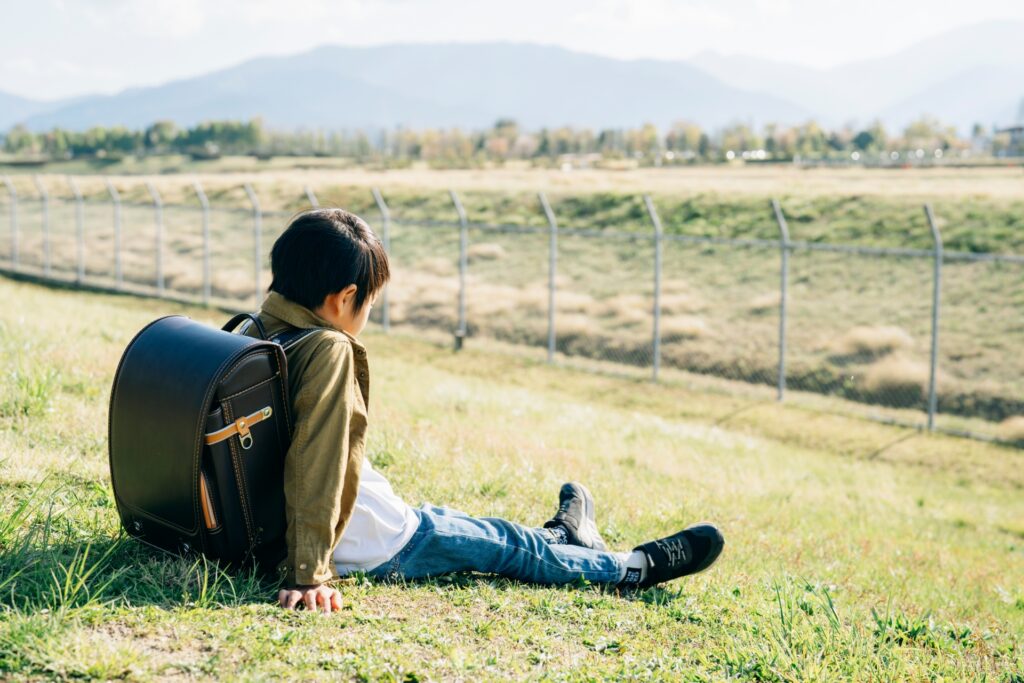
928 77
971 74
831 101
468 85
14 109
976 95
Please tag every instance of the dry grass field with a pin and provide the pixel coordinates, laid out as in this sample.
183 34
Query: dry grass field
289 175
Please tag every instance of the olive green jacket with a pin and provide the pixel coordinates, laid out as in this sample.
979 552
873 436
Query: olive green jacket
329 388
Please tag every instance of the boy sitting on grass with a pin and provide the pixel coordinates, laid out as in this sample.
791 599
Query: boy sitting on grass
342 515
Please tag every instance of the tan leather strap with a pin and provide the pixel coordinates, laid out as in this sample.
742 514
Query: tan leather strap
241 427
209 515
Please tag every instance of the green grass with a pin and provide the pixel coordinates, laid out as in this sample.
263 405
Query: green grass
855 551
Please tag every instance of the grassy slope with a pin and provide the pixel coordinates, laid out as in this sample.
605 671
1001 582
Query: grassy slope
854 550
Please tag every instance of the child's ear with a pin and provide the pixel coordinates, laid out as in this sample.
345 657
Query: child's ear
346 296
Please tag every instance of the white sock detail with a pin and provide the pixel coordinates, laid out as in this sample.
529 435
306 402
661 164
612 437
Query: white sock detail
634 568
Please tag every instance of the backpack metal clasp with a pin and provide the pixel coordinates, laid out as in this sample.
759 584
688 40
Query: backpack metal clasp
244 435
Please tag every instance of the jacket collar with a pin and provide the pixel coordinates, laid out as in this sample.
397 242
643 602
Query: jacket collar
297 315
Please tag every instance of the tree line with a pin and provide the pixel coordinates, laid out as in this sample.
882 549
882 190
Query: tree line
683 142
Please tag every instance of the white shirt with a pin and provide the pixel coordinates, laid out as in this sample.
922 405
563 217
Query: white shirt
381 523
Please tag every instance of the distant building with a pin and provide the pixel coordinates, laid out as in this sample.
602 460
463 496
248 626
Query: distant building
1015 132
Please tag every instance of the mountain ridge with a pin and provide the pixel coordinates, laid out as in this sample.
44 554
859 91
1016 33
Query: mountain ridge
446 85
470 85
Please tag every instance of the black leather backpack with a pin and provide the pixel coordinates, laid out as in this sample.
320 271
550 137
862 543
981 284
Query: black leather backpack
198 430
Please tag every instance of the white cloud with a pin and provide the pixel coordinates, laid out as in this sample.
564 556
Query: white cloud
173 19
774 7
120 43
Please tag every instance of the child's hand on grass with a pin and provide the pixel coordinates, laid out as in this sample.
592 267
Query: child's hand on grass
323 598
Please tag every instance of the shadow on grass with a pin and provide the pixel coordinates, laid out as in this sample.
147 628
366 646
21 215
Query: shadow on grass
586 590
119 571
61 548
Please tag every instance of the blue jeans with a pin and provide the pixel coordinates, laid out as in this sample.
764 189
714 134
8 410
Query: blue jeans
451 541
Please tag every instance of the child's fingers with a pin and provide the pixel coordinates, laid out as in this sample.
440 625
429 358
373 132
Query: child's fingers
288 598
309 598
323 598
336 600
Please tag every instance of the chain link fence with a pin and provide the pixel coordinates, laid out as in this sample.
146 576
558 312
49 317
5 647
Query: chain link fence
923 337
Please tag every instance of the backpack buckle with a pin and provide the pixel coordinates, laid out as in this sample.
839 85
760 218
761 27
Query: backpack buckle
244 435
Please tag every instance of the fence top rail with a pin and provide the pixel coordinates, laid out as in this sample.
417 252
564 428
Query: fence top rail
798 245
510 228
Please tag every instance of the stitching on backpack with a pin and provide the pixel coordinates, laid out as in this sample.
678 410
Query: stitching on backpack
236 465
275 376
197 448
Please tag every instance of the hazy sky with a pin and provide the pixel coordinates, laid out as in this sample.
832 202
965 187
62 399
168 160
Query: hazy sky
57 48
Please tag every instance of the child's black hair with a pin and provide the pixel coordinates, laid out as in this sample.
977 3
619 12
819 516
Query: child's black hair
321 252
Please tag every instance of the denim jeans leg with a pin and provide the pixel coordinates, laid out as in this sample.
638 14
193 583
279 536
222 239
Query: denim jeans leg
446 543
445 511
452 512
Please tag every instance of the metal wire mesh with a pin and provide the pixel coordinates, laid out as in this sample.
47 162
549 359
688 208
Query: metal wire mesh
424 288
6 228
231 256
848 336
604 299
507 285
272 225
30 232
183 250
857 329
980 386
63 260
99 240
720 311
139 245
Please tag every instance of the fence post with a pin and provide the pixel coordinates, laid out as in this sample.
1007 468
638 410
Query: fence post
460 333
552 271
656 332
115 200
311 196
385 221
44 198
79 230
257 239
158 208
936 297
13 193
780 218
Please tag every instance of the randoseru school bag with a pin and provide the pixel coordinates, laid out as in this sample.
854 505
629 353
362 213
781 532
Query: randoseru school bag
198 430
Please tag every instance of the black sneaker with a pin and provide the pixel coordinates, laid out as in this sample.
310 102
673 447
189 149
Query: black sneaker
689 551
576 515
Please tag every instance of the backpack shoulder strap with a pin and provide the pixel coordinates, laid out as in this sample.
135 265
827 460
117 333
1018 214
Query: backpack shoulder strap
292 336
230 325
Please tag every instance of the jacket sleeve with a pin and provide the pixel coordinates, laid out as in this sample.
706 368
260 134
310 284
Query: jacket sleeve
316 463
